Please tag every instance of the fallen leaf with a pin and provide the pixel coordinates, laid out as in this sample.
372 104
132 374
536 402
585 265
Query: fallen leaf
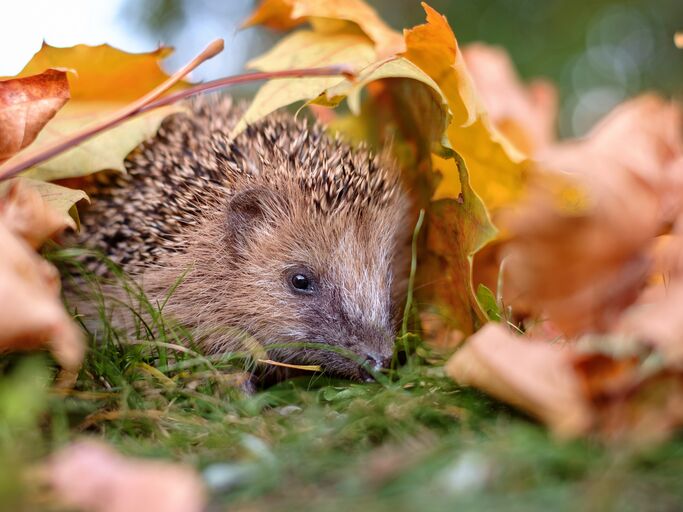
105 79
642 136
581 268
654 318
535 376
630 399
525 114
90 475
36 210
26 105
32 315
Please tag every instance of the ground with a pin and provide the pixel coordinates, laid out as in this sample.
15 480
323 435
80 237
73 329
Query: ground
415 441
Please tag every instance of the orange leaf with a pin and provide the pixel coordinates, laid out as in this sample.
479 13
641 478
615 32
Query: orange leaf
498 171
103 73
105 80
32 315
525 114
26 105
286 14
534 376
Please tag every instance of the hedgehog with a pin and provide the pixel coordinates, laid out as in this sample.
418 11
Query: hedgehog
282 235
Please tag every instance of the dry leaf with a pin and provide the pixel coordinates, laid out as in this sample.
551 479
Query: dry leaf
105 80
299 50
525 114
286 14
91 476
535 376
32 315
644 137
629 399
655 318
581 268
497 171
26 105
36 210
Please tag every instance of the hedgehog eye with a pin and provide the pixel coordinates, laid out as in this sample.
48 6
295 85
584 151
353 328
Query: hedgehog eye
301 281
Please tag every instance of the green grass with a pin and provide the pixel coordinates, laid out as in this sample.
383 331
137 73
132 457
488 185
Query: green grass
416 441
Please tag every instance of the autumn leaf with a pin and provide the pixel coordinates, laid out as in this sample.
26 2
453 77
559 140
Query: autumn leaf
36 210
105 80
532 375
498 172
89 475
26 105
300 50
525 114
581 268
330 16
32 315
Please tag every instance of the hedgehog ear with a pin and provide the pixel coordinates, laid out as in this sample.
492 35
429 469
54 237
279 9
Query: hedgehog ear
251 208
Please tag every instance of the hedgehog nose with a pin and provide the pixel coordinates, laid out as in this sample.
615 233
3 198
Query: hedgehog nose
377 362
374 363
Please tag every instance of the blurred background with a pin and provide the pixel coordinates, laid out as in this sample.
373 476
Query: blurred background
599 52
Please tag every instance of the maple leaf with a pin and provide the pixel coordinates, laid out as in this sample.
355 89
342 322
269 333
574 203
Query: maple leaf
329 16
26 105
300 50
105 79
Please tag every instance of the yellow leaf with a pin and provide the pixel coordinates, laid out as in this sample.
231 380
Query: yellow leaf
104 151
286 14
103 73
105 79
36 210
498 171
303 49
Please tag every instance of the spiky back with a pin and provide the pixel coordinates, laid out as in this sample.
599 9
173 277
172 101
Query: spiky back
192 166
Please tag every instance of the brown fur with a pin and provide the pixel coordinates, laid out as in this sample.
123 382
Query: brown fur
241 216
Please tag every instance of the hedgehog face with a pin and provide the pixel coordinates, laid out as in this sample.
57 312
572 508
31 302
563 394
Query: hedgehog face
327 282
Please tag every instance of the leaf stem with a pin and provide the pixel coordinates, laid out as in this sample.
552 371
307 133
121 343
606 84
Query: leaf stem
152 100
30 158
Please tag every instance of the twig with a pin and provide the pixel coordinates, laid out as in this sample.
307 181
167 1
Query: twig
31 158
